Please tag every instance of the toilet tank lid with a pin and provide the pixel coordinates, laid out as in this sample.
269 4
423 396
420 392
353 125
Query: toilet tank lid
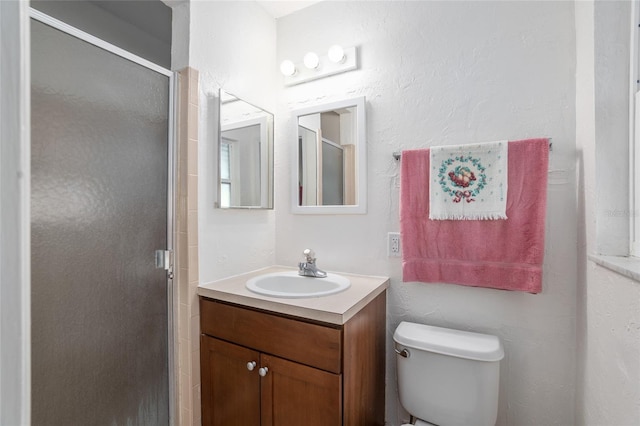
458 343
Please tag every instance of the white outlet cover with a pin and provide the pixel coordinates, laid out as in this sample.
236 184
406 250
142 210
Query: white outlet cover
394 246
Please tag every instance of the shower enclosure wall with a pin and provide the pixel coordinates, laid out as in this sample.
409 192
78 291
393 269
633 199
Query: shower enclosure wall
101 199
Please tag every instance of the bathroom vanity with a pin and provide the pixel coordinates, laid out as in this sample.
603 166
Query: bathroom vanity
281 362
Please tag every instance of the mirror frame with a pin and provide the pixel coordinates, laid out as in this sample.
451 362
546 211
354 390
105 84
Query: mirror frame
361 159
266 156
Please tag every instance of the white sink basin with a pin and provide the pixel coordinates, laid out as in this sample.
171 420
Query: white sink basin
291 285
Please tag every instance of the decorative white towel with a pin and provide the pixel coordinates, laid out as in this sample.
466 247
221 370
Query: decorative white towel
468 181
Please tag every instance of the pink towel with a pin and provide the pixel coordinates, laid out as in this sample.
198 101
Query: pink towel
504 254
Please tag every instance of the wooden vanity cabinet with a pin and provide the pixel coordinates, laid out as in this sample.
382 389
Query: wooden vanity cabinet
288 394
305 373
231 389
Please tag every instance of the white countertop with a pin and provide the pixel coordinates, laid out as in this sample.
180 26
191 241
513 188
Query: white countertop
334 309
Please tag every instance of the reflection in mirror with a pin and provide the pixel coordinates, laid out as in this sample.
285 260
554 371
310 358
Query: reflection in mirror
246 155
331 168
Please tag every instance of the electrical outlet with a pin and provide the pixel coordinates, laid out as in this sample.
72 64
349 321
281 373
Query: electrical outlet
393 244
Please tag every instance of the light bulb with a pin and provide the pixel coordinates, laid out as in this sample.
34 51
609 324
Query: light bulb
287 68
311 60
336 54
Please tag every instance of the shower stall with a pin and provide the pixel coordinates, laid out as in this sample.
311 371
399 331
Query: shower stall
101 206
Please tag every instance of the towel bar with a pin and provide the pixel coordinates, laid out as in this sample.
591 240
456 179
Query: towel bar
397 155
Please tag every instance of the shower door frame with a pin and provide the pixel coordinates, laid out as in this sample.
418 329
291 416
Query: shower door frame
172 294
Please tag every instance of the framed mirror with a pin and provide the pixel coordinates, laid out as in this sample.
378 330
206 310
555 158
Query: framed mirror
329 168
245 152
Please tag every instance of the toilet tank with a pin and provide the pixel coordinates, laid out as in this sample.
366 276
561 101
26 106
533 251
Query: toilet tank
448 377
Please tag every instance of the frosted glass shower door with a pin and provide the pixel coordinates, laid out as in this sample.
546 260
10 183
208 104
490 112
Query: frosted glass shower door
100 161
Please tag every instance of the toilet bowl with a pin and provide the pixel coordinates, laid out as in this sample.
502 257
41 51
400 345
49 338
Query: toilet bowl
448 377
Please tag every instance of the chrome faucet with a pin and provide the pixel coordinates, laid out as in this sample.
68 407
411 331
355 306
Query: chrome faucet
308 267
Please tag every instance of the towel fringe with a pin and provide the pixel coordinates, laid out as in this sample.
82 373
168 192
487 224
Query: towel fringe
484 216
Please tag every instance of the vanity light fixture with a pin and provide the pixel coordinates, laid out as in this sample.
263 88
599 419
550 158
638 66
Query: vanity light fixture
288 68
313 66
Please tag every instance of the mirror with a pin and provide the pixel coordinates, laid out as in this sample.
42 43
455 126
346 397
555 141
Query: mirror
245 151
329 167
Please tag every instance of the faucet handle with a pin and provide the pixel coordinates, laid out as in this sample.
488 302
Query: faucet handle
310 255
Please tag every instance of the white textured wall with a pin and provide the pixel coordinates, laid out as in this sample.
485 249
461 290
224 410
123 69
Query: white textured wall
443 73
233 47
608 332
610 351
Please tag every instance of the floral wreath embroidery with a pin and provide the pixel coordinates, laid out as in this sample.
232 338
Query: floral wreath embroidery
461 183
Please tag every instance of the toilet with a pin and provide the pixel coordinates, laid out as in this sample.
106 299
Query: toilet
448 377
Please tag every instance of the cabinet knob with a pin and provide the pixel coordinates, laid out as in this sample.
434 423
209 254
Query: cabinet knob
251 365
263 371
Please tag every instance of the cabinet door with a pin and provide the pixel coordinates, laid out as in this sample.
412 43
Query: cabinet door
295 394
230 391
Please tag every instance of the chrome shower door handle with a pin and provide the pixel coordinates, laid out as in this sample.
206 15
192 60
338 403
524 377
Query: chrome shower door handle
164 260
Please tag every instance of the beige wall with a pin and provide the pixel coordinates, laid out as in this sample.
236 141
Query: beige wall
187 276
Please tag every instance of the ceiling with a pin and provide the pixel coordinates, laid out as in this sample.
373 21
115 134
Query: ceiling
281 8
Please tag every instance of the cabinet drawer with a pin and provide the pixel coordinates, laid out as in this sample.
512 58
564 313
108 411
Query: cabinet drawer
306 343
